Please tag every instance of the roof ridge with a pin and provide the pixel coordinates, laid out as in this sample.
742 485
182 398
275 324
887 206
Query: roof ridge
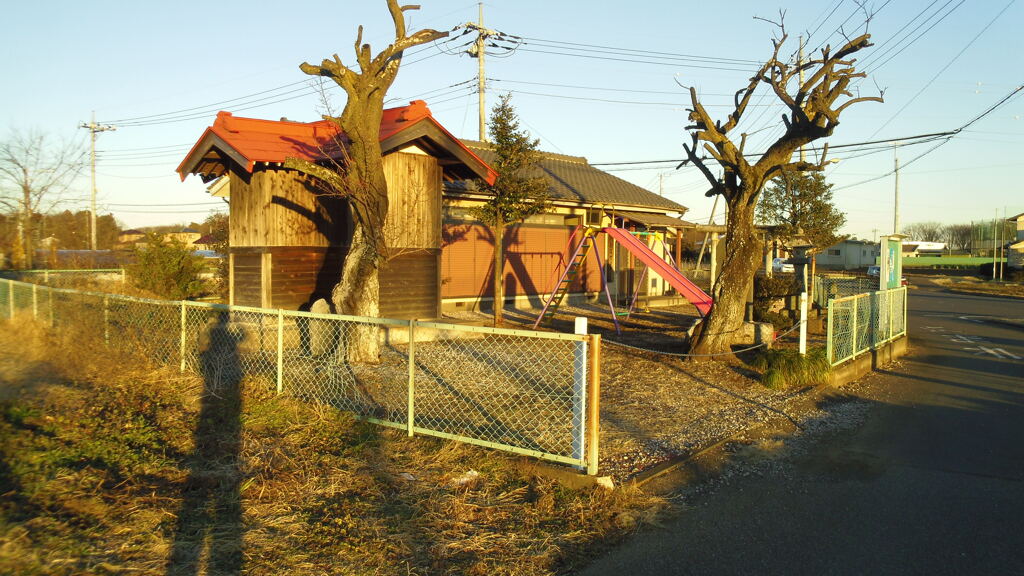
544 153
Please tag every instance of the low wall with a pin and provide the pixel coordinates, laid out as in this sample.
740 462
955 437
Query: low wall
862 365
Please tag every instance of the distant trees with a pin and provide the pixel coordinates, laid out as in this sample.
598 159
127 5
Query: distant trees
925 231
514 197
35 172
802 202
958 236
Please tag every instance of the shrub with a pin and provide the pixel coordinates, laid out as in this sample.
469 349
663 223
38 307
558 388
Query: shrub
766 292
786 368
166 268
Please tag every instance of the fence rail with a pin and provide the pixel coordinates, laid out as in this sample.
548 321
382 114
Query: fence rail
520 391
863 322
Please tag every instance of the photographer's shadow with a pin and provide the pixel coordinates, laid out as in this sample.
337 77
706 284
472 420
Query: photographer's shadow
208 534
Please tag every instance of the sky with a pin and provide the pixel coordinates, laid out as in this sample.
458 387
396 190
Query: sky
603 80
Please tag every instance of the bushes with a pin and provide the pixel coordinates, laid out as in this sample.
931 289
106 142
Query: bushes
766 292
786 368
166 268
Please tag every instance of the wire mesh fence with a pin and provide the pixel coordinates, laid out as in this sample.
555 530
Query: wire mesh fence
862 322
66 278
831 287
519 391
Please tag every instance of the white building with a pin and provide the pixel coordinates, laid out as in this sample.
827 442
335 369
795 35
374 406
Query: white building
849 254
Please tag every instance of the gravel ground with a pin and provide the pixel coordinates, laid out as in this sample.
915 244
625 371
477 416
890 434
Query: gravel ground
655 406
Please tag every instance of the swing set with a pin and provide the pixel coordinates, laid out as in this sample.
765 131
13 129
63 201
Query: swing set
638 248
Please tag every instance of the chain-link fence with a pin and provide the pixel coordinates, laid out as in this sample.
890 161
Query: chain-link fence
526 392
862 322
830 287
66 278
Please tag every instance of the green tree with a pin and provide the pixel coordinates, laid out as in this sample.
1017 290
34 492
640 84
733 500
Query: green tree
513 197
167 268
802 202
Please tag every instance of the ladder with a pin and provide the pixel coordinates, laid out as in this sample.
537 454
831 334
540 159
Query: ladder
572 269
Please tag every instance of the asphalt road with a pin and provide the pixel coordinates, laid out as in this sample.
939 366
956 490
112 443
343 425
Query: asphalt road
929 479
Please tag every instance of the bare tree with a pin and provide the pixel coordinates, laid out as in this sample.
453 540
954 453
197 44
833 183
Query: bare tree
814 106
359 175
958 236
35 172
925 231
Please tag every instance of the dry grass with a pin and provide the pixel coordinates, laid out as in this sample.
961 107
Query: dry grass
111 465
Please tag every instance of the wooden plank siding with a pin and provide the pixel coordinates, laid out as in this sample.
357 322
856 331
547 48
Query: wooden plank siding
279 208
535 256
248 273
414 201
409 286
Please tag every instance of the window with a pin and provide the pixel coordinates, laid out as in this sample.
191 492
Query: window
833 252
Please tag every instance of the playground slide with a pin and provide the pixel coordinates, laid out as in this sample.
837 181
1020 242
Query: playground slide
675 278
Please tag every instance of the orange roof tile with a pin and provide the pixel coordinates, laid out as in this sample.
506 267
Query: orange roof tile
254 140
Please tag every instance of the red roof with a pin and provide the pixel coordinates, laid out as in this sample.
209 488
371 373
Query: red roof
253 140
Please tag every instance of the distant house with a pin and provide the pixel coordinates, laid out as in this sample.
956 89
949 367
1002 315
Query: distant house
850 254
186 236
288 240
913 248
128 237
1015 251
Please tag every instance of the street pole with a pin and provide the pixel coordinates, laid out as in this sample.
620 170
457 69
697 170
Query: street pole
93 128
480 48
994 243
896 193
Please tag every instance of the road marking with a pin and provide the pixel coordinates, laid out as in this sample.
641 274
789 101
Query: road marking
969 319
966 339
1000 353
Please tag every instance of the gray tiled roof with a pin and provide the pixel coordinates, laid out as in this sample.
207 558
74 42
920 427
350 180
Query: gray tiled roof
572 178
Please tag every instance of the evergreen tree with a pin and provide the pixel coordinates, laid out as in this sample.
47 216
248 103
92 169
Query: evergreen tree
802 201
514 197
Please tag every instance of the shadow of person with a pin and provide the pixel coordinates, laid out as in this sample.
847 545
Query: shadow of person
208 535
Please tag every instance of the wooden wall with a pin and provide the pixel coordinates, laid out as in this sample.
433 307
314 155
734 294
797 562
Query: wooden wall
414 201
274 207
247 278
535 256
409 286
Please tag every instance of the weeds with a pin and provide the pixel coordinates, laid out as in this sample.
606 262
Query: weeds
106 467
786 368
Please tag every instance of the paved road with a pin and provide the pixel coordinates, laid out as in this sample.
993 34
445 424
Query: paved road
929 480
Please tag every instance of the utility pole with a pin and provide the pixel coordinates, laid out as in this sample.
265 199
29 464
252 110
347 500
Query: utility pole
93 129
661 184
995 235
896 193
874 235
478 50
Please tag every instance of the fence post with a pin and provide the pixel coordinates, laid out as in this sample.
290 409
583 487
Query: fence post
181 350
411 406
594 404
890 296
10 297
579 390
35 301
906 328
280 350
829 333
124 276
49 304
46 276
803 323
106 320
853 351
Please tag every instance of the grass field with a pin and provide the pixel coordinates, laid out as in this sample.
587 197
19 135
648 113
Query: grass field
111 465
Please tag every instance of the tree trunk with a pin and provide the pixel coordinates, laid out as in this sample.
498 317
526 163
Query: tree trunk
722 325
499 272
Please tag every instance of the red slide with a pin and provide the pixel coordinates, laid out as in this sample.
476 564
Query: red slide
675 278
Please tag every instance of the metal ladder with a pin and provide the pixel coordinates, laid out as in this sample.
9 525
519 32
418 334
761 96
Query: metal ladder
572 269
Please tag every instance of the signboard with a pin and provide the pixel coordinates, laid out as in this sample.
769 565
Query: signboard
891 269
